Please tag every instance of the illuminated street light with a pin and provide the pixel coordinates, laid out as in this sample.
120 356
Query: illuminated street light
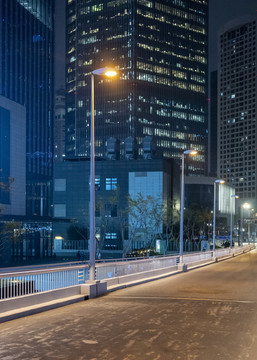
109 73
58 237
231 218
192 153
246 206
214 210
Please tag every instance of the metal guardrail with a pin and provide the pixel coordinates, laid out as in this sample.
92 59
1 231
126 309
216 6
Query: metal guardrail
38 279
104 271
22 283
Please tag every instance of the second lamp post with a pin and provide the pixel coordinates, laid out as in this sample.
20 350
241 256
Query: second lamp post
214 211
187 152
231 218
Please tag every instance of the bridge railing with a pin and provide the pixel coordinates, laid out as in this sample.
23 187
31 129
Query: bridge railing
28 282
104 271
190 258
121 268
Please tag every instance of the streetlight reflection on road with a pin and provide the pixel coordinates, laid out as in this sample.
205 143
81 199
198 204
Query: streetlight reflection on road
109 73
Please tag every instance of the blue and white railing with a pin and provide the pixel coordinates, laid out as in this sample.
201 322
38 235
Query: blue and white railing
35 280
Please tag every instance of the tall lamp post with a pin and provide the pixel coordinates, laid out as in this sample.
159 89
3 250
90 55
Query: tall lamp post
220 181
109 73
231 217
244 206
192 153
251 211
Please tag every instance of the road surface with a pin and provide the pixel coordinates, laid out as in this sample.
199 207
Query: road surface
205 314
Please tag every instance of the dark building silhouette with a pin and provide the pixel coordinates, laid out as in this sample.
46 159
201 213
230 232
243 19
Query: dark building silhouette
160 51
26 77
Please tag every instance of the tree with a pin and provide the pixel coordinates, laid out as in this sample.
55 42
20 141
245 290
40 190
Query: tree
151 218
196 225
146 218
171 226
111 217
76 232
5 186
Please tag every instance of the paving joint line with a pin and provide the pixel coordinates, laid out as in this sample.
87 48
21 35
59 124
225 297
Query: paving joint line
185 298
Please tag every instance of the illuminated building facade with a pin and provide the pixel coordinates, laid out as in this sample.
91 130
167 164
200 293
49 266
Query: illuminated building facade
237 108
160 51
26 77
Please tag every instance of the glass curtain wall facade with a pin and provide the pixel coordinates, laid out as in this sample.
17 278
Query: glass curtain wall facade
26 77
160 51
4 154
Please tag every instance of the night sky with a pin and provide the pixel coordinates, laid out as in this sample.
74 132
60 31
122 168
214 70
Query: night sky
221 11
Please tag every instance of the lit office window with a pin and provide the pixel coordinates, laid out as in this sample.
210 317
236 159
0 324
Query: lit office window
111 184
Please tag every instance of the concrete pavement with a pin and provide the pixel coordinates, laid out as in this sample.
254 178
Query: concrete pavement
207 314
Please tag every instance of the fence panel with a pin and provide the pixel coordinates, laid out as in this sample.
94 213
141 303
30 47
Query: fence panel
38 281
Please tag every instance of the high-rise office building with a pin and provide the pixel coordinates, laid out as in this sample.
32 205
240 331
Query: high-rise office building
213 123
237 108
160 51
59 126
26 77
12 158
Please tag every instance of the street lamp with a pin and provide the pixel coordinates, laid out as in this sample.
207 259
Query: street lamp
250 211
244 206
231 218
214 210
192 153
109 73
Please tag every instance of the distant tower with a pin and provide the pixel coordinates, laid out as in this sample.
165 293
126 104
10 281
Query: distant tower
237 107
160 51
59 126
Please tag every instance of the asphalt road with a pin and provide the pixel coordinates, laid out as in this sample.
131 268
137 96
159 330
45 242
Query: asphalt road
206 314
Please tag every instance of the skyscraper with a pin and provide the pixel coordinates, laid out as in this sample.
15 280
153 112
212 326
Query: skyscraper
237 107
160 51
12 158
59 125
212 162
26 77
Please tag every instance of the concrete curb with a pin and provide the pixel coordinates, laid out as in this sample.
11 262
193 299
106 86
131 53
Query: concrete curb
36 309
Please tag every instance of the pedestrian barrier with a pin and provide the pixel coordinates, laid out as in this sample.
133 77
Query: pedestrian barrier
18 283
34 286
